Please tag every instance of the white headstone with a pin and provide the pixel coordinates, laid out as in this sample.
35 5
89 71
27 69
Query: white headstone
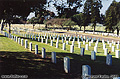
117 46
42 40
93 55
67 42
117 53
89 43
114 43
64 46
53 38
83 42
43 53
18 40
95 49
26 44
87 40
86 72
86 47
96 44
30 46
79 45
57 44
21 42
113 48
107 42
118 42
62 40
46 41
73 43
51 42
36 49
78 40
109 59
53 57
67 65
71 49
105 51
57 39
104 46
38 38
110 44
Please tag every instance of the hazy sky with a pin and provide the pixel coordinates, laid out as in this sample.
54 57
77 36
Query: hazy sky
105 3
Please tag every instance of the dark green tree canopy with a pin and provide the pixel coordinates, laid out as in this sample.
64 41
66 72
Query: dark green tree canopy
20 7
66 8
113 16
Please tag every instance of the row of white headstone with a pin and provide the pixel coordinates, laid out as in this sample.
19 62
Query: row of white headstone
117 52
93 54
86 70
79 45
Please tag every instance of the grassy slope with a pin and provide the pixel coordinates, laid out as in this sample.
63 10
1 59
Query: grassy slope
35 66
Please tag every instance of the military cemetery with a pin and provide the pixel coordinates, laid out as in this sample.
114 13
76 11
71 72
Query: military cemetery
69 42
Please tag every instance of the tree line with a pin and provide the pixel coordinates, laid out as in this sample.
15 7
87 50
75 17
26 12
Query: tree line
68 13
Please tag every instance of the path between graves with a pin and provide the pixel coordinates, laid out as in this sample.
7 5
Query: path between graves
93 36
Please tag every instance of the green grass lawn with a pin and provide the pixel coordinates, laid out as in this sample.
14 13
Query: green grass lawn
17 60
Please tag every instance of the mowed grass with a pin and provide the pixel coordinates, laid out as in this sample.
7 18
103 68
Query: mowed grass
37 67
9 45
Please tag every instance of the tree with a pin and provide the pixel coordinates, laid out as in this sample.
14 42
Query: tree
95 12
65 7
112 17
13 8
78 19
86 14
69 23
118 27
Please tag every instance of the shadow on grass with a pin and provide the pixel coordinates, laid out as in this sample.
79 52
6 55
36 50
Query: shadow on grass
2 36
26 63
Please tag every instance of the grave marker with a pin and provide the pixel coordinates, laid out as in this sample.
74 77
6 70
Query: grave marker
53 57
67 42
38 39
42 40
109 59
21 42
43 53
46 41
57 44
30 46
110 44
83 42
117 46
67 65
89 43
82 51
51 42
64 46
72 49
86 72
79 45
93 55
18 40
36 49
95 49
117 53
26 44
86 47
113 48
105 51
